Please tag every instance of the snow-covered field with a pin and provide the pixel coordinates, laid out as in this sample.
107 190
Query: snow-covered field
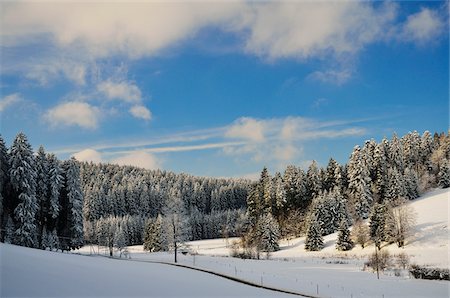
329 273
29 272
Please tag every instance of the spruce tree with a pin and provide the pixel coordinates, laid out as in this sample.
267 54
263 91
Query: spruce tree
377 224
314 238
42 193
269 233
444 175
56 181
344 241
359 184
9 230
23 180
75 203
4 173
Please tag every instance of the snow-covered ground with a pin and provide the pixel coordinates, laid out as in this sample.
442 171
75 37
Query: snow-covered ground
331 273
29 273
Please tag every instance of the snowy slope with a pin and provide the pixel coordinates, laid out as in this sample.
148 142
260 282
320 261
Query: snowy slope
330 273
29 272
428 246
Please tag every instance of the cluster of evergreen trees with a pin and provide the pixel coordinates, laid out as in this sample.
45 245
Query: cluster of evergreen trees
41 199
210 207
325 200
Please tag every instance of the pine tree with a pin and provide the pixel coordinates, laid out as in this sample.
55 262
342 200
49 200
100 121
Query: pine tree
396 154
344 241
269 233
56 180
377 224
4 173
265 191
444 175
314 238
279 195
380 161
75 203
42 193
23 179
120 241
313 184
9 230
411 183
396 185
359 184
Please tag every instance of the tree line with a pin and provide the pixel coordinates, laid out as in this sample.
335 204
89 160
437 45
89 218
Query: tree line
376 181
41 199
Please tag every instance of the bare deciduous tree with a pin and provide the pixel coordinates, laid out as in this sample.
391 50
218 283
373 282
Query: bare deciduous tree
400 221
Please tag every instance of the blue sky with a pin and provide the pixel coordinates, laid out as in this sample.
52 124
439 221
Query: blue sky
221 89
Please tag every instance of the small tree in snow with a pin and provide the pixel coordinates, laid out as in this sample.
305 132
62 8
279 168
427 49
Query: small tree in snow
399 222
444 175
344 241
314 238
268 233
360 233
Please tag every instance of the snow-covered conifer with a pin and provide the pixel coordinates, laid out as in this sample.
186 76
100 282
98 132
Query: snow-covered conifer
344 241
75 203
444 175
377 224
55 184
359 184
23 179
314 238
269 233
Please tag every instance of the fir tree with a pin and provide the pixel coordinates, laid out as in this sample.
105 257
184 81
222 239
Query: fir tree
269 233
42 193
344 241
314 238
313 184
4 173
75 203
377 224
444 175
56 180
9 230
359 184
23 179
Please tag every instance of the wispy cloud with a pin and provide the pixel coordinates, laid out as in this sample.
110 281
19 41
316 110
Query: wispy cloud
141 112
423 26
9 100
123 91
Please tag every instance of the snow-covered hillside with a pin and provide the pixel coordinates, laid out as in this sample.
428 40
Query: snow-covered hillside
331 273
428 246
27 272
328 273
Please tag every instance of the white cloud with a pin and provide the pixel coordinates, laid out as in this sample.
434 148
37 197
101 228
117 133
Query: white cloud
141 112
9 100
125 91
102 29
73 114
51 69
423 26
336 77
139 159
313 29
88 155
247 128
283 137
